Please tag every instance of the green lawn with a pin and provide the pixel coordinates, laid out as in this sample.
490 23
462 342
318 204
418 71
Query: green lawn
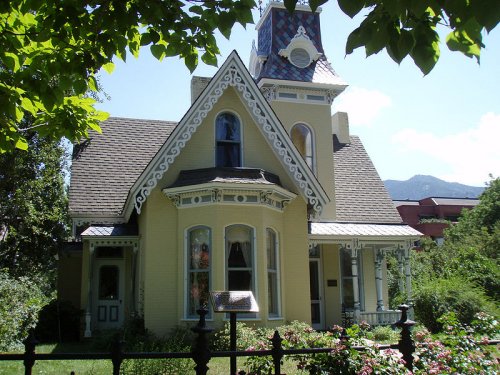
90 367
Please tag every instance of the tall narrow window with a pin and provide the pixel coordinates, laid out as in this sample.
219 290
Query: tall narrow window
228 138
302 138
239 257
198 263
272 274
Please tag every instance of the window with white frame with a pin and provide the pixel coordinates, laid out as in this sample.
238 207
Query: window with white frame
228 140
198 269
273 301
302 138
240 257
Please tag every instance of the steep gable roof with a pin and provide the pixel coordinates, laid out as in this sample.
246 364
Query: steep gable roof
105 166
360 194
232 73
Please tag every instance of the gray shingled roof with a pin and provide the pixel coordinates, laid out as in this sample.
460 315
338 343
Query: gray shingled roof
105 167
359 192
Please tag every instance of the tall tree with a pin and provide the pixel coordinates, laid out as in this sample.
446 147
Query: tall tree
51 50
33 206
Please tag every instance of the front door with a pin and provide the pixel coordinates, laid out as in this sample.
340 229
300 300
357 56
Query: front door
108 287
316 293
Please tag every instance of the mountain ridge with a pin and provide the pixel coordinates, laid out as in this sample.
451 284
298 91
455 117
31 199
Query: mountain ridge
423 186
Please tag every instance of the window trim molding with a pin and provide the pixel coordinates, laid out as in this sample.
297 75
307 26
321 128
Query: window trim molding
277 244
215 140
255 270
187 270
313 167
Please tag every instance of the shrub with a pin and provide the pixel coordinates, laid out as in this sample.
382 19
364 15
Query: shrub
58 321
457 353
435 297
140 340
385 334
21 299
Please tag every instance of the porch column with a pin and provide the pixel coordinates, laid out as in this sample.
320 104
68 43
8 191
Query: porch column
401 267
355 280
408 272
379 257
134 278
88 311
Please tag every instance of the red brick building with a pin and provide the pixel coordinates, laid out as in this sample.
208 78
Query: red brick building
432 215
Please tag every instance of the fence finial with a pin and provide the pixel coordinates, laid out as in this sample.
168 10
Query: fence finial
200 351
405 344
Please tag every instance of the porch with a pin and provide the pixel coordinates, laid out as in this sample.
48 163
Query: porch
348 267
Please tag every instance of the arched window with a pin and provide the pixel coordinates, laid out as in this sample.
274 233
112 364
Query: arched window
228 139
273 286
302 138
198 269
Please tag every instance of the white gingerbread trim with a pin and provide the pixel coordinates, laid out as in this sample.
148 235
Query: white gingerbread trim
233 73
301 40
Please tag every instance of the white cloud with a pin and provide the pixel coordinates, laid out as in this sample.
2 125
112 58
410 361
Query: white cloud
362 105
470 155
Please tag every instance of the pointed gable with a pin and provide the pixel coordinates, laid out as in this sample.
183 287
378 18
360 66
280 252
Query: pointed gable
232 74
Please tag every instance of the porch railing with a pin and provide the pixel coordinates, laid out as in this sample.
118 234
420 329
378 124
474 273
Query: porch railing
382 318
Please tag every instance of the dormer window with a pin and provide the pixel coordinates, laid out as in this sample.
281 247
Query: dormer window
302 139
301 51
228 140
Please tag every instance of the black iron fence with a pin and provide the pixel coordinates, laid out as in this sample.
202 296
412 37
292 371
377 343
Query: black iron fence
201 353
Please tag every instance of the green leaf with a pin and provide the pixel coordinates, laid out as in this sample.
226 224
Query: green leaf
226 23
351 7
314 4
290 5
426 51
209 58
109 67
354 40
196 9
154 36
27 105
191 61
486 12
11 61
21 144
158 51
93 83
145 39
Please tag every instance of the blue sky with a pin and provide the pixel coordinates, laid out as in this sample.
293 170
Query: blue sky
446 124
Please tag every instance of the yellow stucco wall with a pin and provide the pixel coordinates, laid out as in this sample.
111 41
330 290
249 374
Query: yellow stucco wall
199 151
369 287
318 117
162 226
164 260
331 271
69 278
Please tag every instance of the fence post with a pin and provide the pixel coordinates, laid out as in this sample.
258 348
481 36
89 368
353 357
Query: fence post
29 352
277 351
117 354
200 350
405 344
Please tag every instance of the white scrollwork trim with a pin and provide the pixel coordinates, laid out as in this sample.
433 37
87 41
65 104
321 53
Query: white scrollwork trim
230 77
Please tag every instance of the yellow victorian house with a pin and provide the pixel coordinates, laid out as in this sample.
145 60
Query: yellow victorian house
257 188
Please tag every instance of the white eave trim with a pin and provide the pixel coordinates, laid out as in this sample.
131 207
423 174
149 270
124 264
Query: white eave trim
233 73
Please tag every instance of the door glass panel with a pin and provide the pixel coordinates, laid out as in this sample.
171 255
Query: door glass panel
108 282
315 313
314 284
